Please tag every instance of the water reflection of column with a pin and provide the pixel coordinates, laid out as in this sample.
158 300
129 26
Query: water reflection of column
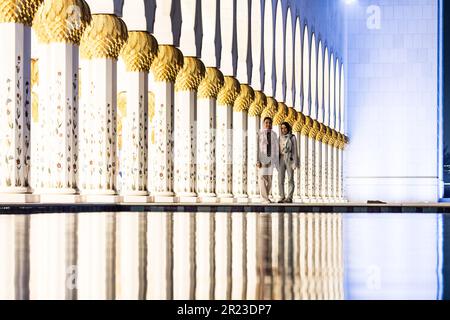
317 258
223 251
335 257
311 294
204 261
303 237
131 257
53 257
278 270
239 256
14 252
265 272
329 256
253 256
159 256
340 257
224 139
296 255
96 256
184 256
323 256
288 257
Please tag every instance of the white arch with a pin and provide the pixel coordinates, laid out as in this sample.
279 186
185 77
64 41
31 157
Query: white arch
289 60
342 104
187 39
298 65
313 71
163 22
227 27
256 37
337 94
279 53
320 111
306 74
326 87
209 21
332 88
243 27
268 48
135 16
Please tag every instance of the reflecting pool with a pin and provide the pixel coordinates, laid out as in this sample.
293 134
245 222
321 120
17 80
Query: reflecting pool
239 255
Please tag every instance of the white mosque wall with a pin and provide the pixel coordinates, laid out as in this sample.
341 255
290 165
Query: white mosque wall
392 101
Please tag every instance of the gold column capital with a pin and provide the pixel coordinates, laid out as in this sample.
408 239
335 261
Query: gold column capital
300 123
271 108
307 126
282 112
314 129
211 84
18 11
341 141
191 75
327 135
104 37
333 138
167 63
229 92
61 21
321 133
258 105
139 51
244 99
291 117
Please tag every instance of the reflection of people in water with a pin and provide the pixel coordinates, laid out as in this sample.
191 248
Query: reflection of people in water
268 158
289 161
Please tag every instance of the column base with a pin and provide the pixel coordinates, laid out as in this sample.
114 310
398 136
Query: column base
137 199
163 199
101 198
241 199
226 198
207 198
183 199
255 199
19 198
60 198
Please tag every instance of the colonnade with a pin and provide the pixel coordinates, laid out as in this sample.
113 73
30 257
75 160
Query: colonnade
192 97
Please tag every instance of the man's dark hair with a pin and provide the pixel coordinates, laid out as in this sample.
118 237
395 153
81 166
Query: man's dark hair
268 118
288 126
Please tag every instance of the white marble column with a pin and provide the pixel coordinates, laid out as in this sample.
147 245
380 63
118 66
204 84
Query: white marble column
100 46
185 132
224 139
318 163
58 99
254 126
15 98
324 173
301 130
206 134
241 105
331 166
336 168
278 119
165 68
138 54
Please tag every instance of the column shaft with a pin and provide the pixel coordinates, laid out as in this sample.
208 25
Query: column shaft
239 166
252 170
224 152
